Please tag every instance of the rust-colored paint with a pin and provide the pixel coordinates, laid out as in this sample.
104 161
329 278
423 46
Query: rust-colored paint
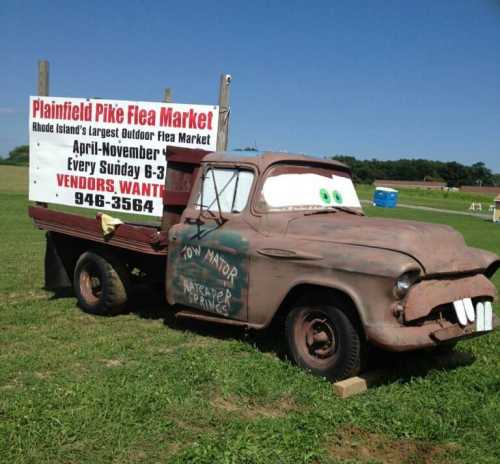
280 252
427 295
131 237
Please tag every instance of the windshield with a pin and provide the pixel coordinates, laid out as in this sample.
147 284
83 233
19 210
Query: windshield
228 189
291 188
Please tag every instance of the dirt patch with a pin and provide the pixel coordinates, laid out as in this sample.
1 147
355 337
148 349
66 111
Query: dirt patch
248 410
196 343
42 375
352 443
136 456
21 297
11 386
14 384
112 362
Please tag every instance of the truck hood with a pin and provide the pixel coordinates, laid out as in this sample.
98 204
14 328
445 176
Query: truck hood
438 248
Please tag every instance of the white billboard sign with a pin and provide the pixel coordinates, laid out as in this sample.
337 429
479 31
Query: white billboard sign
110 154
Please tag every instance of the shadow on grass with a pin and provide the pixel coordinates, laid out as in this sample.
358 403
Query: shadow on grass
152 305
386 368
383 368
390 367
60 293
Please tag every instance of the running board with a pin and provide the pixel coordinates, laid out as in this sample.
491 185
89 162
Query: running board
189 314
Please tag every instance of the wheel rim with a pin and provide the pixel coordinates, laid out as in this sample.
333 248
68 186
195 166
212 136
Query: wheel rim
316 337
90 284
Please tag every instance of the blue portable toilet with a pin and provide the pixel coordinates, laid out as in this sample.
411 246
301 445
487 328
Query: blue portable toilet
385 197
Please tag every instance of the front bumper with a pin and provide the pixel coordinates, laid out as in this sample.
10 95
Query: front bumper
405 338
434 312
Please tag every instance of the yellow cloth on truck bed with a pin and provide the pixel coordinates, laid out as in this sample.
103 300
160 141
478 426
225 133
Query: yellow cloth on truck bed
109 223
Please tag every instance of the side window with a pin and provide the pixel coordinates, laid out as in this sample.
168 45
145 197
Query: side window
232 186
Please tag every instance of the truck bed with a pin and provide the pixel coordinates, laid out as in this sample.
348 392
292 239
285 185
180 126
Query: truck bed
142 237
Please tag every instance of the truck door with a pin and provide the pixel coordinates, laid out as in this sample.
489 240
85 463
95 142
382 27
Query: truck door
208 256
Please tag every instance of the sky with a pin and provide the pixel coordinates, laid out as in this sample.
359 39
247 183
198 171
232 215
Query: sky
373 79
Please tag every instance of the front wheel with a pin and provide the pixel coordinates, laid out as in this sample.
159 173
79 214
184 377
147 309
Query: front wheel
100 284
323 340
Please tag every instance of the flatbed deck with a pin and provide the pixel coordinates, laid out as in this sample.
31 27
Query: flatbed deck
140 237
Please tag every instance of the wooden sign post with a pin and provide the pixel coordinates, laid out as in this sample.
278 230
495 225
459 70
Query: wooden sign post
223 130
43 91
43 78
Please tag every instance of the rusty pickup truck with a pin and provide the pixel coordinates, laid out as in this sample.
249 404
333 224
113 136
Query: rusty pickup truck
250 240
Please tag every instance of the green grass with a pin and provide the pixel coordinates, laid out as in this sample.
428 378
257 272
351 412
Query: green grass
457 201
75 388
13 179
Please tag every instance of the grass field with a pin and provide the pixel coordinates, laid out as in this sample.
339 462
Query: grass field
142 388
457 201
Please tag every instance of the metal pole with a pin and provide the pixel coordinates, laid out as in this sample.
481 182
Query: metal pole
223 129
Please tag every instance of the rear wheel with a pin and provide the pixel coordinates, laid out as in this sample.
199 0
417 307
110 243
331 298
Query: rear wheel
323 340
100 284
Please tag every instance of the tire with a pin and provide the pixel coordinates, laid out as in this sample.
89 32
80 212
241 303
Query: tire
336 353
101 284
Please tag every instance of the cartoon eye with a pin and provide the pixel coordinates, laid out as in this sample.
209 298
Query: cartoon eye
325 196
337 197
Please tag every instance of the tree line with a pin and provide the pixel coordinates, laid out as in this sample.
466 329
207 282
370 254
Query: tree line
366 171
453 173
19 156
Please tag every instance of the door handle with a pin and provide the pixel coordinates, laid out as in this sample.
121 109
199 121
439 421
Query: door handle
194 221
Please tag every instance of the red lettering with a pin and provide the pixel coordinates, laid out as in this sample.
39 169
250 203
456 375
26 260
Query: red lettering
136 115
99 110
141 115
119 115
60 179
125 186
166 117
202 120
145 189
36 107
184 119
85 183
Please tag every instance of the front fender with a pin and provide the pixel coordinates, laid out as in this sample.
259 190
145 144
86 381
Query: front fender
366 276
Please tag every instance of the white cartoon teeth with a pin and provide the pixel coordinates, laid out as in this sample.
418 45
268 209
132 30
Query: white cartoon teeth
482 314
460 312
469 309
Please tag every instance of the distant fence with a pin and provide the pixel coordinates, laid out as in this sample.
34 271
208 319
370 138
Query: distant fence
492 191
409 184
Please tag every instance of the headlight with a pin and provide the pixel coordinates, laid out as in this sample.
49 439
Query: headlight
403 284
